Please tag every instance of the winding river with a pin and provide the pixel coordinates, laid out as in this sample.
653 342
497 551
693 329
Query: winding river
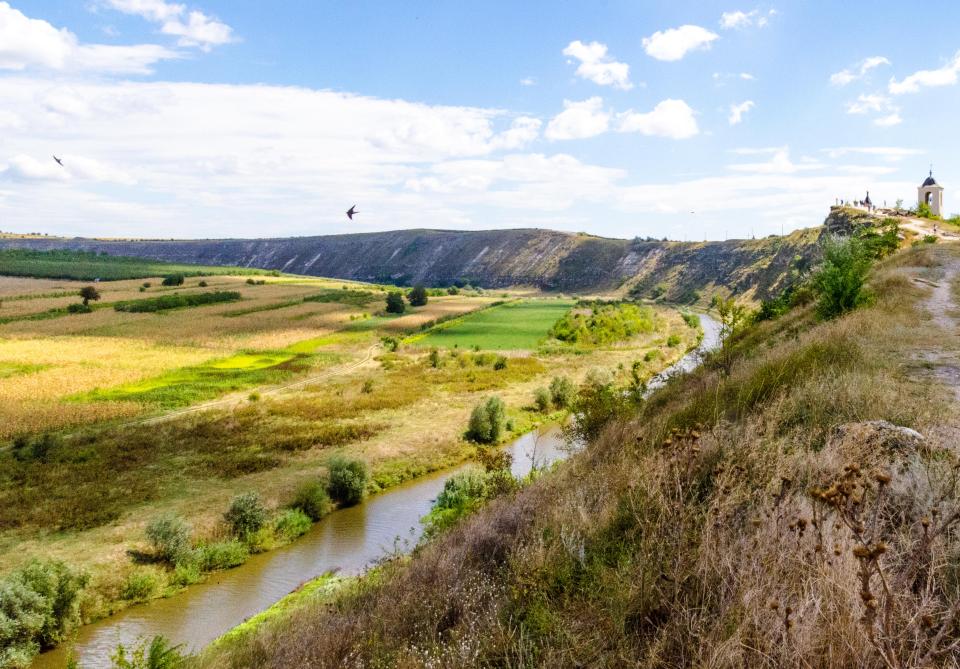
347 541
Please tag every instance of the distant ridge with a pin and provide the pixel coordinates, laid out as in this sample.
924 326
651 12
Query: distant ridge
547 259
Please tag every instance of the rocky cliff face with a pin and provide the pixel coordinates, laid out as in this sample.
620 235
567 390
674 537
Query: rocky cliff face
492 258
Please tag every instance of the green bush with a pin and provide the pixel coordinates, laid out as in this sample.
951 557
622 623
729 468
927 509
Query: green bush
562 392
348 480
221 555
595 323
434 358
165 302
37 449
291 524
541 398
461 494
155 654
140 585
395 303
417 296
501 363
651 355
691 319
840 280
170 537
186 573
39 606
313 500
246 514
173 280
598 402
673 340
486 421
79 308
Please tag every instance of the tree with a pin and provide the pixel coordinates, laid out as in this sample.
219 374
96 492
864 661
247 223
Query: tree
170 536
840 280
173 280
541 397
486 421
418 296
246 514
348 480
88 293
562 392
395 303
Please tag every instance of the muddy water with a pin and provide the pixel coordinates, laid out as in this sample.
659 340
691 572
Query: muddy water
348 541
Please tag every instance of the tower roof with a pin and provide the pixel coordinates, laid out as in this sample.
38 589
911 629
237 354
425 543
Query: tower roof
929 181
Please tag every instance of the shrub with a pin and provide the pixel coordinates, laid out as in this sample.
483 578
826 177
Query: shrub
562 392
453 290
157 654
501 363
39 606
164 302
651 355
486 421
840 280
170 537
598 402
146 284
142 289
418 296
221 555
291 524
38 449
348 480
367 387
929 239
395 303
691 319
313 500
173 280
140 585
673 340
246 514
461 494
88 293
79 308
434 358
541 398
595 323
202 284
186 573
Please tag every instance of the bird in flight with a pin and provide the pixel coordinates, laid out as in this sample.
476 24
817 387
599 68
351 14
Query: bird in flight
351 211
59 162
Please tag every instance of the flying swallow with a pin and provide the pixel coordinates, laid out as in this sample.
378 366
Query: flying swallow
59 162
351 211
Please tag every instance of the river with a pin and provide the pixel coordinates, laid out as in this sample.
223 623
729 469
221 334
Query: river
346 541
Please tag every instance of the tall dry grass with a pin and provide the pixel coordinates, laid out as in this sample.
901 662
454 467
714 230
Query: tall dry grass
758 519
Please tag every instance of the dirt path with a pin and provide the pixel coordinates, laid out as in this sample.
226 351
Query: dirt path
925 227
941 364
235 399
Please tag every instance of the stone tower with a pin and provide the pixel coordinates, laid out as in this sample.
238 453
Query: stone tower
931 194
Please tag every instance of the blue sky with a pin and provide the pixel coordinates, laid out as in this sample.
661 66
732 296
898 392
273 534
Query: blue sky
689 120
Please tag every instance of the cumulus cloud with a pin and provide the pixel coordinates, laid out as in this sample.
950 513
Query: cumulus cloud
597 66
27 43
675 43
738 110
579 120
193 28
740 19
670 118
528 81
779 163
858 71
943 76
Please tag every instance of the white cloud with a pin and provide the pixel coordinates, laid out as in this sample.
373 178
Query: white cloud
27 168
528 81
944 76
858 71
779 163
579 120
675 43
739 19
868 103
27 43
597 66
738 110
522 131
888 121
200 30
888 153
197 30
670 118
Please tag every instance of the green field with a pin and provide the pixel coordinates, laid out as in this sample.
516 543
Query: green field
87 266
512 326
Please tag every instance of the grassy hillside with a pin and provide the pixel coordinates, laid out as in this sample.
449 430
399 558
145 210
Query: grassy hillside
754 513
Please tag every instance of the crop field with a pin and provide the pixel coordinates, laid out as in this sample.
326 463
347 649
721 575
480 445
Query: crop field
85 266
506 327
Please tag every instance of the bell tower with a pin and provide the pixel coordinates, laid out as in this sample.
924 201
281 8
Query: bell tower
930 193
